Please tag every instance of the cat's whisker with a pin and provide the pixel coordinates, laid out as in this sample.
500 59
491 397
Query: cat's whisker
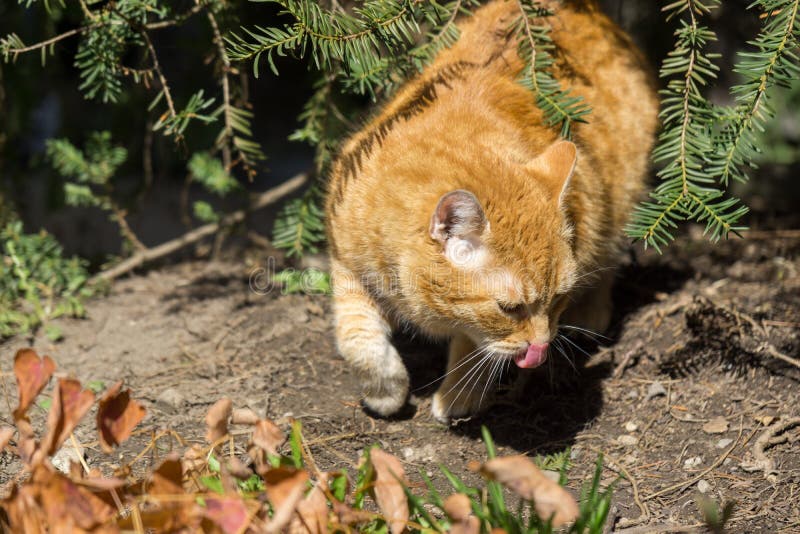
560 348
589 333
474 374
468 375
465 360
590 273
568 340
490 381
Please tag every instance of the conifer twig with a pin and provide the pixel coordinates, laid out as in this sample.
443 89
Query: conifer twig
226 90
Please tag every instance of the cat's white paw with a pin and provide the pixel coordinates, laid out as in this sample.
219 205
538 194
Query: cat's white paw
387 395
446 408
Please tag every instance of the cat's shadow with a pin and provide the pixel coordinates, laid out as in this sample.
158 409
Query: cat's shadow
563 397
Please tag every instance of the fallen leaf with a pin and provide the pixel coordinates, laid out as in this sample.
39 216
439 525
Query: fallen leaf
244 416
117 416
267 436
32 374
522 477
24 513
68 505
717 425
194 459
229 513
284 487
765 420
389 492
313 510
70 404
168 478
6 434
217 420
238 469
459 508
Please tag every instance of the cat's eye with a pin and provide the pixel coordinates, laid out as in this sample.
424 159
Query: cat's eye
515 310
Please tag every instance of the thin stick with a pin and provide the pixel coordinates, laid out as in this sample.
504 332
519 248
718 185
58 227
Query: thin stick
140 258
704 472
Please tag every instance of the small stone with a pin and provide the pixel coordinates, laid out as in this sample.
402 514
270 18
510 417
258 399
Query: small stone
703 486
724 442
627 440
171 398
655 390
408 454
632 394
717 425
692 462
630 426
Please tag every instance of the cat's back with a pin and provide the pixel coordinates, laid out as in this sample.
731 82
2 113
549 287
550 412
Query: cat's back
467 111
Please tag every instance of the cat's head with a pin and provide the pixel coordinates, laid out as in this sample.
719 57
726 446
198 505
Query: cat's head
506 267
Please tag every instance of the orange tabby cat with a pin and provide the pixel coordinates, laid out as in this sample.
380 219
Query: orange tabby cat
458 212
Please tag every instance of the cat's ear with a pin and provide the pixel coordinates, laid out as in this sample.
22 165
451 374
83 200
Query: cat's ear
554 167
458 223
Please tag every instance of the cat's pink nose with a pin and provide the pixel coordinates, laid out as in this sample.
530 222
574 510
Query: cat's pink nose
534 357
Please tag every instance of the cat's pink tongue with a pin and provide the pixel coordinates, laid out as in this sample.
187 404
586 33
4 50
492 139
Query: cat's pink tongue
536 356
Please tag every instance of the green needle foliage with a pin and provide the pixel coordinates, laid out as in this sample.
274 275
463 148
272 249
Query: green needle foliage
704 146
369 50
535 46
37 283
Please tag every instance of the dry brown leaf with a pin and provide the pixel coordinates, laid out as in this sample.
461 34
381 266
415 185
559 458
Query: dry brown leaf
389 492
69 506
313 510
522 477
230 514
70 404
24 514
459 508
238 469
285 487
26 441
217 420
6 433
194 459
117 416
350 516
717 425
168 478
32 374
267 436
765 420
244 416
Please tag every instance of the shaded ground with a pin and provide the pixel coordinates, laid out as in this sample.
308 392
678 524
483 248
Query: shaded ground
698 335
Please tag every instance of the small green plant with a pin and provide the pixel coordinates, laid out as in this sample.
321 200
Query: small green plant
495 509
37 283
308 281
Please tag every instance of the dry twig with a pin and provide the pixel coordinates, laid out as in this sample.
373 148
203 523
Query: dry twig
145 256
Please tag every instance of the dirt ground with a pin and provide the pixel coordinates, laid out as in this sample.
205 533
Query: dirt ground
687 396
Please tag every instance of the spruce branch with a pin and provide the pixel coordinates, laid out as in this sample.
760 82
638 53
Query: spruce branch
156 66
686 191
227 132
357 41
560 108
772 63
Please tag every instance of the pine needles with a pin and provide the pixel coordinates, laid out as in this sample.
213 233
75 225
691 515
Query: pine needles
560 107
704 146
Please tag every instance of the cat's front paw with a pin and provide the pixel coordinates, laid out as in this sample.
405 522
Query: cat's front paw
388 395
445 408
